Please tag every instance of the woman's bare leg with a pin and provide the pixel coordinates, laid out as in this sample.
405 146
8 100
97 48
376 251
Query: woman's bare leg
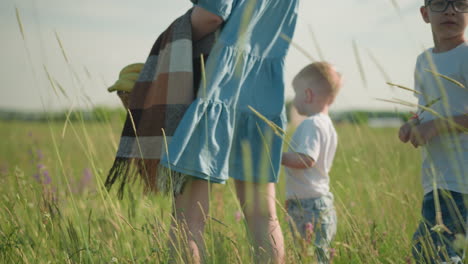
189 212
258 201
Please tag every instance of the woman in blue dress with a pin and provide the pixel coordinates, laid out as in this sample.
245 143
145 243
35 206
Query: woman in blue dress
220 136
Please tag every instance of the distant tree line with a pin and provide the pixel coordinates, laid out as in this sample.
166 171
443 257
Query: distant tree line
361 116
97 114
105 114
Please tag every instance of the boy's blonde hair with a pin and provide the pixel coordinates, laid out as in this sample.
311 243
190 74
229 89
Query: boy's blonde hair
321 77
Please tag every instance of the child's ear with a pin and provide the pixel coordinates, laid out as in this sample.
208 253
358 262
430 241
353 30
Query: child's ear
309 95
424 14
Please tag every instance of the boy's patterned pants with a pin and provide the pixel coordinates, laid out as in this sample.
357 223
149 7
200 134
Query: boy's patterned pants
315 220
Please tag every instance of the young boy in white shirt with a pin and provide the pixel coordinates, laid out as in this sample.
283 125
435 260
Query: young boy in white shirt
310 157
443 137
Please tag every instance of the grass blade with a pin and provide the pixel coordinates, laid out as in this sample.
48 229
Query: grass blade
446 78
359 64
403 87
18 18
302 50
379 67
50 80
316 43
61 46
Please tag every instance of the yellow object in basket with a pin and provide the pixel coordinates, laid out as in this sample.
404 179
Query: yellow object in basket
122 85
127 78
135 68
133 76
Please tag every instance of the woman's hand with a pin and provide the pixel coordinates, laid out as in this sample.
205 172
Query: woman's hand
204 23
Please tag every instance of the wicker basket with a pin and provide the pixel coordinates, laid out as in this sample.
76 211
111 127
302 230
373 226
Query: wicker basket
124 97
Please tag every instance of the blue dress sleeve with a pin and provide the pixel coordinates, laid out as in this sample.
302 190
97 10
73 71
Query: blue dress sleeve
221 8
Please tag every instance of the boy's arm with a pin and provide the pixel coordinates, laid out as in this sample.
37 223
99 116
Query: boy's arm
404 134
204 23
424 132
297 160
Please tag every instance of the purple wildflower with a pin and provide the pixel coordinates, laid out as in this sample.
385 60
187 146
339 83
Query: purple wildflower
309 229
31 153
46 177
85 179
238 215
40 155
37 177
332 254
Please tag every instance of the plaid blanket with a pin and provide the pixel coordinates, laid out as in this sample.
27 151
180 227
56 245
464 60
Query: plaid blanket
165 88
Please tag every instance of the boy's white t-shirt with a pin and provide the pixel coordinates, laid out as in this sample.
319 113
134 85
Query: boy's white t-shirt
315 137
445 157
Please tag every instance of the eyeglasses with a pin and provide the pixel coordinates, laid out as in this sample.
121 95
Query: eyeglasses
460 6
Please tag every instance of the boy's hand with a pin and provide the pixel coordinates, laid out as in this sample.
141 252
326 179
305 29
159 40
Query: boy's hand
418 135
405 130
422 133
404 133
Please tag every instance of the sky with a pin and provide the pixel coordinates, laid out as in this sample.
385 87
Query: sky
82 45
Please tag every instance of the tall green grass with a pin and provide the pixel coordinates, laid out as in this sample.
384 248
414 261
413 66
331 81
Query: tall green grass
55 210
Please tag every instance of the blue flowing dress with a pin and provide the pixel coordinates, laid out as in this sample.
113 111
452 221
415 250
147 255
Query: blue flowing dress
220 136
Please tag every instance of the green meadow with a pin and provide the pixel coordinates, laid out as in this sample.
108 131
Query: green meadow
54 208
